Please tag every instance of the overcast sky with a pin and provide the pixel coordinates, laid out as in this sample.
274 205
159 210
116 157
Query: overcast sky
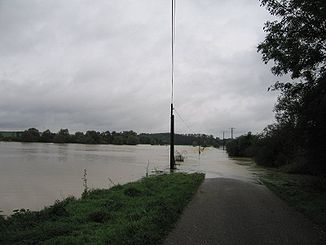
105 65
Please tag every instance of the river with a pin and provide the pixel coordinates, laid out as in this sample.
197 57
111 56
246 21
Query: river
34 175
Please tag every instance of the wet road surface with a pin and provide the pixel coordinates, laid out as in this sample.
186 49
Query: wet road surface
232 211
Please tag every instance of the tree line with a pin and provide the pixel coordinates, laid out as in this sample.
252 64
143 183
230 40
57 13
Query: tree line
107 137
296 44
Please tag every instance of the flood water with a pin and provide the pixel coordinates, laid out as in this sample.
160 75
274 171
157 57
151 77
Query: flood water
34 175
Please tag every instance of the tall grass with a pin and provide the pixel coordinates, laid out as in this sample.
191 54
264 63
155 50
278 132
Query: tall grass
141 212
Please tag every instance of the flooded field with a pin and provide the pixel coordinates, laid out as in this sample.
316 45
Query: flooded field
33 175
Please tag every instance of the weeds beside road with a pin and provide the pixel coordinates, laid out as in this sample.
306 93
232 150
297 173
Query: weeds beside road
141 212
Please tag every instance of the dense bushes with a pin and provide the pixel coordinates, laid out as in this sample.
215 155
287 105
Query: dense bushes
273 147
241 146
280 145
267 148
295 43
299 135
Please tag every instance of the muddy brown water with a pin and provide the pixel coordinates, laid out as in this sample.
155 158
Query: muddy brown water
34 175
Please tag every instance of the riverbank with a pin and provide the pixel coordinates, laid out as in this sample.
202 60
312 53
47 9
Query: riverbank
141 212
305 193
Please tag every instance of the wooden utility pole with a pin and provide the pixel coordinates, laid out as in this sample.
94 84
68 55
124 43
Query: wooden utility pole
223 142
232 132
172 161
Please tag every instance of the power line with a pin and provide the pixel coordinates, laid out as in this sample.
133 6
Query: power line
183 120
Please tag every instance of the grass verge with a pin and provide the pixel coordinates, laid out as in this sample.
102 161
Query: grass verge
305 193
141 212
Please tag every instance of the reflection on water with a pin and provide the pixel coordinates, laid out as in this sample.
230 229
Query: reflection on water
33 175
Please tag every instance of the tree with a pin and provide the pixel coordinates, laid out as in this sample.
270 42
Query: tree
79 137
296 42
105 137
47 136
62 136
92 137
117 140
242 146
31 135
132 140
274 146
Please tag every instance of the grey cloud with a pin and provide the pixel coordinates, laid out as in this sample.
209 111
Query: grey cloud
105 65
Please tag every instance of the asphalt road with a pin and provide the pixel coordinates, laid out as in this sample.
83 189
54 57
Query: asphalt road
229 211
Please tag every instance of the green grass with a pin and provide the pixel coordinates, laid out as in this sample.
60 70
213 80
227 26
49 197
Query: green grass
141 212
305 193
